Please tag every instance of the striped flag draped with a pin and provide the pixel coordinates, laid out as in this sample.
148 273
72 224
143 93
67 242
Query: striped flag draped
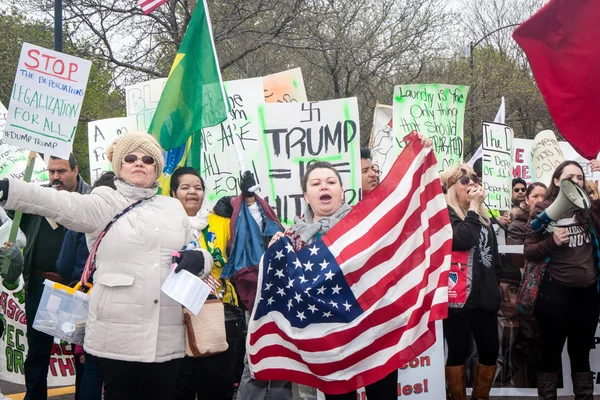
346 310
150 5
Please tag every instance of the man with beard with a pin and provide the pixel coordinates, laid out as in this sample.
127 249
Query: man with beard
370 179
44 241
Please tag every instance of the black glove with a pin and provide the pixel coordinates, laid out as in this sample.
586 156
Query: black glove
246 183
190 260
3 189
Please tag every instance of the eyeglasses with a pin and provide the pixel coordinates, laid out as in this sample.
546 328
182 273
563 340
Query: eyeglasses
131 158
517 190
464 180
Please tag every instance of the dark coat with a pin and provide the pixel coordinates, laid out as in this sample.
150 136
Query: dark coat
73 255
470 234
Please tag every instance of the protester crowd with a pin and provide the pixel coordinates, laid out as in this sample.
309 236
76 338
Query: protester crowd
135 343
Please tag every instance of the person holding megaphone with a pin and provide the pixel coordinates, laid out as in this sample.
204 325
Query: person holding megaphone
567 304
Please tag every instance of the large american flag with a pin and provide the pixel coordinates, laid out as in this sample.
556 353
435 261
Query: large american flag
348 309
150 5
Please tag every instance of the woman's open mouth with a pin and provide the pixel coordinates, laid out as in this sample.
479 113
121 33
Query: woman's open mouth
325 198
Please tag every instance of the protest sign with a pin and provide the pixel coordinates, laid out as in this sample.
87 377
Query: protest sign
497 164
420 376
141 101
13 159
220 168
46 101
523 165
434 110
546 155
101 134
285 87
382 141
294 134
13 346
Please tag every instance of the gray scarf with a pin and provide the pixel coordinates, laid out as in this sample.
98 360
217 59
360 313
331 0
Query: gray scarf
307 229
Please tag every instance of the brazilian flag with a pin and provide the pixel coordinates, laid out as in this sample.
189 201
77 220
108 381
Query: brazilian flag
192 98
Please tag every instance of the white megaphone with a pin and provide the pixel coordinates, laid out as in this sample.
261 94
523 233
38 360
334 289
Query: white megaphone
570 198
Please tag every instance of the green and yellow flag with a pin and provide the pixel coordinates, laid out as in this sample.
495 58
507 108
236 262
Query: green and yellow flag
192 98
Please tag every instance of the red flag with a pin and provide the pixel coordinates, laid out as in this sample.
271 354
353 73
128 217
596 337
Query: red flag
360 302
150 5
562 43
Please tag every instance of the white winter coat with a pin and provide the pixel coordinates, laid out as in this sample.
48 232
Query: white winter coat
130 318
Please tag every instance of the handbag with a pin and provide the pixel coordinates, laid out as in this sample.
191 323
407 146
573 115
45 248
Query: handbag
205 333
459 285
530 285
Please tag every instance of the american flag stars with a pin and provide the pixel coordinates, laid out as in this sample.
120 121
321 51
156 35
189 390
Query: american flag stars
305 294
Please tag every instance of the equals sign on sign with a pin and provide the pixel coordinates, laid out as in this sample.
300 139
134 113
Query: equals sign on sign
280 173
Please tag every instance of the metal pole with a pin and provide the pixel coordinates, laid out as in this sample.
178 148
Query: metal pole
472 64
58 25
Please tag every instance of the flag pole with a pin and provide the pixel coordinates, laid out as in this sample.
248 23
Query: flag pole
236 143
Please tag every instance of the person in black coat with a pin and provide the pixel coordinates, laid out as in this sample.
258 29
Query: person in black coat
473 284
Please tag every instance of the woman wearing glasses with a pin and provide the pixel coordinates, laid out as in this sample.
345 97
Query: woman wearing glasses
473 285
133 328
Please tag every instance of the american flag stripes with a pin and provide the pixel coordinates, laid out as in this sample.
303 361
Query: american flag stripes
346 310
150 5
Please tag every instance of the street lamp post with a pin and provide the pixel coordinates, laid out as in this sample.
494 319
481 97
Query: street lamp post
58 25
472 65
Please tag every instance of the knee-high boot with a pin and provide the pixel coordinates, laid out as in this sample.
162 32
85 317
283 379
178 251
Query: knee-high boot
457 383
547 383
482 383
583 385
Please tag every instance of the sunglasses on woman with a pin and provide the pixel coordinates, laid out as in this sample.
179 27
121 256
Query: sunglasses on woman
131 158
464 180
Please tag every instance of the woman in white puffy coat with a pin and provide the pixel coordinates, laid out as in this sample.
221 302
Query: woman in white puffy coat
134 328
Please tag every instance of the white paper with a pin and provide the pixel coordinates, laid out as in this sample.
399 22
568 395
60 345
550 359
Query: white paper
186 289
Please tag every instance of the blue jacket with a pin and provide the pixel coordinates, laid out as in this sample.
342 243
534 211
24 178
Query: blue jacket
73 255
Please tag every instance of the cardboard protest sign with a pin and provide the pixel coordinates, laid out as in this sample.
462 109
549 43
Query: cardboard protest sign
13 159
220 168
141 101
285 87
294 134
101 134
434 110
497 165
382 140
46 101
546 155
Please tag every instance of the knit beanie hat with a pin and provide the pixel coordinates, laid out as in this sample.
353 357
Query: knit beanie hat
135 141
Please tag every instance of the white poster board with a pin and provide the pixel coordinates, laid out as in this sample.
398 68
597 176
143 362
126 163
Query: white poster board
294 134
142 99
46 101
101 134
497 163
382 137
13 159
435 110
220 168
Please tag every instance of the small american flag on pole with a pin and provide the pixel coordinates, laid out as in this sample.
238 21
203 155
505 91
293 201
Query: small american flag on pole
150 5
348 309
